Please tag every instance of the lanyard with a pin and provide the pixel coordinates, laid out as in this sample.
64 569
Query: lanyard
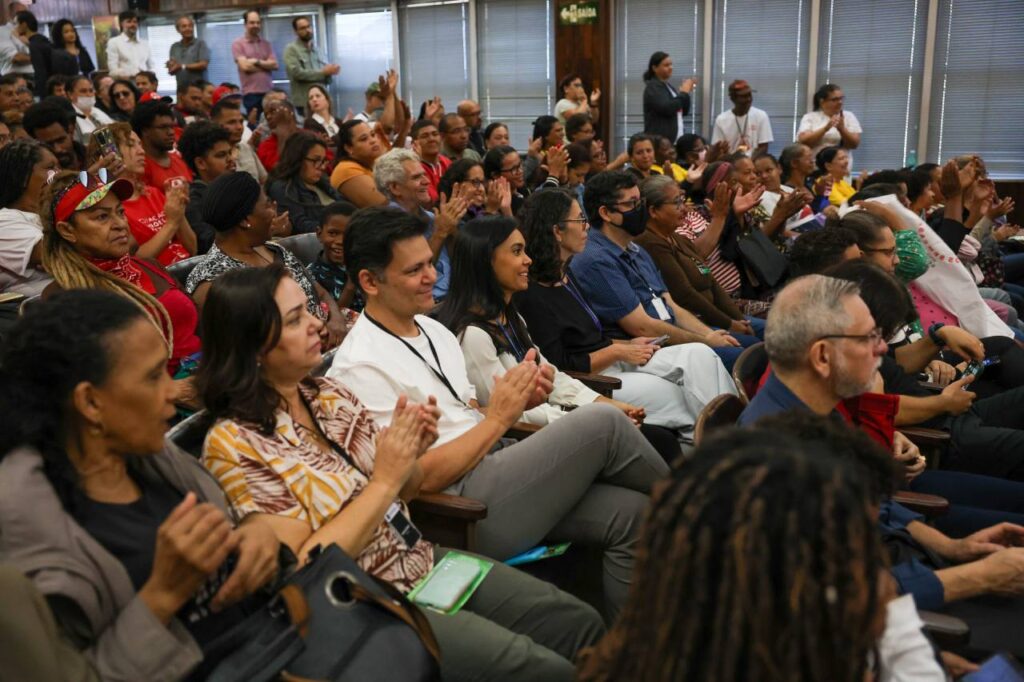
518 348
636 270
438 371
571 288
340 451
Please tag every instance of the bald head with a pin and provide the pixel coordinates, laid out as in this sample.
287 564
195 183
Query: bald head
470 113
807 309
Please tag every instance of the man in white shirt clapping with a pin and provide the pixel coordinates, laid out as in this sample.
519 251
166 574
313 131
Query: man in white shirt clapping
746 128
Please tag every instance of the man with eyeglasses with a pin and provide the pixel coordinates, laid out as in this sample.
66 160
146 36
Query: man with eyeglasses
470 113
620 280
401 177
456 139
154 123
426 142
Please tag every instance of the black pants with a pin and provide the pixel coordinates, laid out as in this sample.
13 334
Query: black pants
989 438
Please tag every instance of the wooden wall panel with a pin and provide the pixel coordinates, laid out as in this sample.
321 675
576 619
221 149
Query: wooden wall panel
586 50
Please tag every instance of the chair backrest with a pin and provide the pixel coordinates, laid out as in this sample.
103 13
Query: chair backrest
183 268
721 412
748 370
305 247
190 433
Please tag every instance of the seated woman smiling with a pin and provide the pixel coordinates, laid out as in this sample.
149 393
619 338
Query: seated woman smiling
303 455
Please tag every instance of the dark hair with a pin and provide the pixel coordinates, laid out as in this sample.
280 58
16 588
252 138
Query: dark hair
371 235
788 155
866 227
764 155
11 78
543 126
125 16
43 115
686 144
146 113
16 162
541 212
822 93
885 296
128 84
446 121
289 165
826 156
57 34
491 127
27 18
782 549
198 139
637 138
917 182
225 103
420 125
579 153
575 124
927 167
295 20
240 322
150 76
494 158
246 13
878 189
457 172
656 58
327 96
813 252
339 207
53 81
345 137
602 189
565 82
59 343
475 297
840 440
72 81
185 87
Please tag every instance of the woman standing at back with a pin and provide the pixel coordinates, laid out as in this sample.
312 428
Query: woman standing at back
664 106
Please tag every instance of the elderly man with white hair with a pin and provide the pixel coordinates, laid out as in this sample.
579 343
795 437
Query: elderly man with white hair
400 177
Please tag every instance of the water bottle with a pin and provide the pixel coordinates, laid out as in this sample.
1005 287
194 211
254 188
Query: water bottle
911 159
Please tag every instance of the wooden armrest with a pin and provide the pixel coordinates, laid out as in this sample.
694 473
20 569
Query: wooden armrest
454 506
922 503
931 438
521 430
598 382
946 631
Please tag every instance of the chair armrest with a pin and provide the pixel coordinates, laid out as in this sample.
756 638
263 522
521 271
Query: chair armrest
521 430
946 631
922 503
597 382
453 506
922 437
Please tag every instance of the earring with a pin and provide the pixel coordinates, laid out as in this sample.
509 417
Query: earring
96 428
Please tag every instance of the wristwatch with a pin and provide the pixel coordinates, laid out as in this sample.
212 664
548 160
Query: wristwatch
933 334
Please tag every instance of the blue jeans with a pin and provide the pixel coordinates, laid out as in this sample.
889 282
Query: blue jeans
975 502
758 324
729 354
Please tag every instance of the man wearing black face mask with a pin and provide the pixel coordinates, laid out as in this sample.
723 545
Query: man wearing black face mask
619 278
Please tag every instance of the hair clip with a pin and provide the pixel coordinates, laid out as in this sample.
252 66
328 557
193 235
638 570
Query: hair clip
103 175
83 178
50 175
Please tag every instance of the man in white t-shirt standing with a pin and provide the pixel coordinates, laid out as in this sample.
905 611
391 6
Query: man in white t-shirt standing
746 128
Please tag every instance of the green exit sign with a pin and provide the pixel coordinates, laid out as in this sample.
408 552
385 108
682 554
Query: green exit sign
578 13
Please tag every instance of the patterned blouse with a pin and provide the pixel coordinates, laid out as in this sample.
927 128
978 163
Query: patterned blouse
216 263
287 474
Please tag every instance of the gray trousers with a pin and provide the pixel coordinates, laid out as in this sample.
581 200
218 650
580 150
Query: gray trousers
514 627
584 478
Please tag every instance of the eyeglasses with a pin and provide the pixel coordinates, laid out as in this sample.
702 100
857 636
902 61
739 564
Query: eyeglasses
475 183
633 204
121 93
518 168
872 337
889 253
679 201
317 162
585 223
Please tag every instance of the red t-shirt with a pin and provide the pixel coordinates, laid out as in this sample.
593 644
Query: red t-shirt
146 217
434 173
156 175
268 152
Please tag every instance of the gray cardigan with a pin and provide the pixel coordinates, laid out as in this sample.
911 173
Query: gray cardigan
42 541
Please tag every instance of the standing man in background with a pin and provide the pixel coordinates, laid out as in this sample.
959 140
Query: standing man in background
746 128
304 64
127 54
189 57
14 53
255 58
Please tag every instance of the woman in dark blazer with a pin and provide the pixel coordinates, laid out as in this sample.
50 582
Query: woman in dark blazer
69 57
298 184
664 106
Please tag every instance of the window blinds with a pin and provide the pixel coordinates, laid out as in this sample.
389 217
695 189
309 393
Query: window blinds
434 52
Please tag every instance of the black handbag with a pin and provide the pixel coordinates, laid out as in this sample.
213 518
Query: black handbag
761 258
330 622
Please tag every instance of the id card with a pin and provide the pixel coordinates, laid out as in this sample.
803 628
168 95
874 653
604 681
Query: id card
402 525
703 270
661 308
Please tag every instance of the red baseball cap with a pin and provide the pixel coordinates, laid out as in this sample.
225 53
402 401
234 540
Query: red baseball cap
222 91
87 192
154 97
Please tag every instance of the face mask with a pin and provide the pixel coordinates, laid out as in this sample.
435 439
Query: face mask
634 222
701 154
86 103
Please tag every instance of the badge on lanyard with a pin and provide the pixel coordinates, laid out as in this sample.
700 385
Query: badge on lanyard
703 269
402 526
661 308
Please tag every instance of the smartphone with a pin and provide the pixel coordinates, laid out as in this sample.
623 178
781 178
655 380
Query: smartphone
107 144
975 368
999 668
658 341
447 585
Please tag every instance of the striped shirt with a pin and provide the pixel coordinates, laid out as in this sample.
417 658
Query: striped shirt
725 272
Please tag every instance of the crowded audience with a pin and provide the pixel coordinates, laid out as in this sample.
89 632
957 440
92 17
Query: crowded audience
565 407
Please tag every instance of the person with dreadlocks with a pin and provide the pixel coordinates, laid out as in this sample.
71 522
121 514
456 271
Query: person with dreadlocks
24 166
87 246
759 562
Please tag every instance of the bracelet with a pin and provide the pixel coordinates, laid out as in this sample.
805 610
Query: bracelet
933 334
